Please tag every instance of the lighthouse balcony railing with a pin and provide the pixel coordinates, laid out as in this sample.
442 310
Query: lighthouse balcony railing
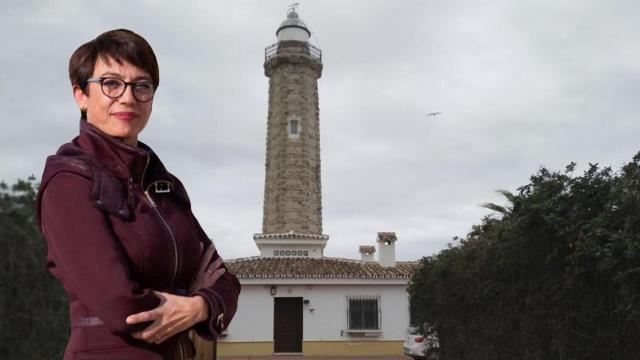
306 49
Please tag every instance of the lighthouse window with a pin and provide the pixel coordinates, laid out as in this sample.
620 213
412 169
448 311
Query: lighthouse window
294 130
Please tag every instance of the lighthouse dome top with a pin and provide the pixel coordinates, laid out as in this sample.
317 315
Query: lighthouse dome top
293 29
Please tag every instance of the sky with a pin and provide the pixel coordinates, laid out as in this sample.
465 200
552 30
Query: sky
519 84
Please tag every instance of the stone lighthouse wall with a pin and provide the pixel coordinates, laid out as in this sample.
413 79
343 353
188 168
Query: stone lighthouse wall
292 195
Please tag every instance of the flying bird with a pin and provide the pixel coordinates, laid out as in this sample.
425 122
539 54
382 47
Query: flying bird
434 113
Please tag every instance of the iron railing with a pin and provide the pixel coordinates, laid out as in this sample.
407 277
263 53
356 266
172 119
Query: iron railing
307 49
363 312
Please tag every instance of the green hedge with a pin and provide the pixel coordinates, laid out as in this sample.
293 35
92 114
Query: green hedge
555 274
33 320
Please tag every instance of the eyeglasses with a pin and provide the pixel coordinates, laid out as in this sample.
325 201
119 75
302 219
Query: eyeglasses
113 87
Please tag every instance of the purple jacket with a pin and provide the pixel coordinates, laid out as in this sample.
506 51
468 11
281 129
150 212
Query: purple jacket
118 225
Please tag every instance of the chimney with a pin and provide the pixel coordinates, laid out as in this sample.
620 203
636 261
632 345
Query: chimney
387 248
366 253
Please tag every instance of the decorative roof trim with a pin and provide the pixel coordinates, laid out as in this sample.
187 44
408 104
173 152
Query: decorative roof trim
317 268
290 235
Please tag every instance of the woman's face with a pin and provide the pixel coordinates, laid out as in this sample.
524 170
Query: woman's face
123 117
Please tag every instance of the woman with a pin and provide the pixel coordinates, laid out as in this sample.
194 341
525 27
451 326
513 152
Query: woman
119 228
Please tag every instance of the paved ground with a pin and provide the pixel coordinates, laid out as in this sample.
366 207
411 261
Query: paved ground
298 357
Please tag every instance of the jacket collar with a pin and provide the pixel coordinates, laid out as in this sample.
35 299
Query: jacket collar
125 161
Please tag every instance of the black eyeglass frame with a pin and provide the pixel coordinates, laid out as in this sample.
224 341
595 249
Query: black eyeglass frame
133 84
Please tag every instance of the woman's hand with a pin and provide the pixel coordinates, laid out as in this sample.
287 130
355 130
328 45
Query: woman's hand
173 315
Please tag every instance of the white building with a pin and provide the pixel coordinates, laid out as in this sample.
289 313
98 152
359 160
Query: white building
295 300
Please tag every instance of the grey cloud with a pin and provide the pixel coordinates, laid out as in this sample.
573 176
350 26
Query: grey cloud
520 85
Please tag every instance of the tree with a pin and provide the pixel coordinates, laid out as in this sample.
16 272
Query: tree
34 320
554 275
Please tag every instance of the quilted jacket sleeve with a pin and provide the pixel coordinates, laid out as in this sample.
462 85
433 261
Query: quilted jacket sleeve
86 256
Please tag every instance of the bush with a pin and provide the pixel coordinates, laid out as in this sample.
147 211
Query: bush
554 275
34 322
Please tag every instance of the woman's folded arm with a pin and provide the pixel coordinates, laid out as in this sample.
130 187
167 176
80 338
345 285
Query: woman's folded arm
221 297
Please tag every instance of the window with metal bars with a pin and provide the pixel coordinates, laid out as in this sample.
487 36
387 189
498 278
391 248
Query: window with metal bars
363 312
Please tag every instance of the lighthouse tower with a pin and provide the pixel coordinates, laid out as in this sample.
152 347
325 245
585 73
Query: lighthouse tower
292 212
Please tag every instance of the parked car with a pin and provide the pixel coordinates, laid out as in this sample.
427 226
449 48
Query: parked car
420 346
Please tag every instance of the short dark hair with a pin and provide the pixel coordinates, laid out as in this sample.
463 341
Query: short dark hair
119 45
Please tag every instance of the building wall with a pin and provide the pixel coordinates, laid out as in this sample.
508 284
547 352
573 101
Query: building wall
324 320
254 318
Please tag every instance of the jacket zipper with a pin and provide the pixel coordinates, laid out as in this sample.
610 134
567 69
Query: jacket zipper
173 239
155 208
175 253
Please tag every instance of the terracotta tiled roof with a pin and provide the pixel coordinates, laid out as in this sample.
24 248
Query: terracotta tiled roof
387 236
367 249
332 268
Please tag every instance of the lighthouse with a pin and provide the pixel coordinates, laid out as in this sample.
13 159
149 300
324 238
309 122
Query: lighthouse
294 299
292 210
